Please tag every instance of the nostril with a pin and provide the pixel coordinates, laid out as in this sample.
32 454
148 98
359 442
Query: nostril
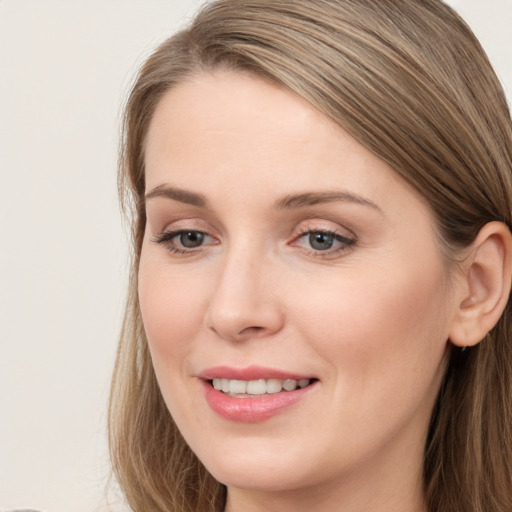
252 332
253 329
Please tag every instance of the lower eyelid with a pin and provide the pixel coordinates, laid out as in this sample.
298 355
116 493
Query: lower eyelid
168 241
168 238
341 243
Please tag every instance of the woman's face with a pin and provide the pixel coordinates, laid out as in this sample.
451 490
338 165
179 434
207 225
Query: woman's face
279 252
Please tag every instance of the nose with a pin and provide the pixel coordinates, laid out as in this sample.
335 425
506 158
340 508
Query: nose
244 303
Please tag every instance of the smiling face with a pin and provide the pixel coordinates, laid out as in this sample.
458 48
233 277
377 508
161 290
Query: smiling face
278 251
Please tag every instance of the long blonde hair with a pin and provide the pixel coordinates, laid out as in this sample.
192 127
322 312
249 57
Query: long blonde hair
408 80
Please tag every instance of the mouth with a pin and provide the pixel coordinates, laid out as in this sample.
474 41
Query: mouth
254 394
257 388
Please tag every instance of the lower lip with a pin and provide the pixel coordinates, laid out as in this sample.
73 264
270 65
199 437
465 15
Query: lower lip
252 410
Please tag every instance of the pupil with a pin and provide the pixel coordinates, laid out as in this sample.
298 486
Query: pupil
321 241
191 239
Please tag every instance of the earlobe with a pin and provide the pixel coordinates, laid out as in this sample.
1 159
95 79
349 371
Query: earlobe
486 284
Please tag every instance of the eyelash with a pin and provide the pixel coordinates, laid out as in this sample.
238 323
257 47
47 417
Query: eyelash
167 240
345 242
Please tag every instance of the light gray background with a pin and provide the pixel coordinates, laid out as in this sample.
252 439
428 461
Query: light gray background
65 67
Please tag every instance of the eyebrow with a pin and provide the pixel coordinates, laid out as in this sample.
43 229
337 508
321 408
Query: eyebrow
178 194
313 198
285 203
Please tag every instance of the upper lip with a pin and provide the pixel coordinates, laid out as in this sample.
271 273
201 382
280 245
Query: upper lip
249 373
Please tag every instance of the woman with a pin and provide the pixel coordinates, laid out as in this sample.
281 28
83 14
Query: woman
319 314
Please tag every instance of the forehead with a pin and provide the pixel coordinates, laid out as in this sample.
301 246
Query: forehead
255 137
239 103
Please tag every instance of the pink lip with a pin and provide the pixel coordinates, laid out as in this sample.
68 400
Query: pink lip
249 409
249 373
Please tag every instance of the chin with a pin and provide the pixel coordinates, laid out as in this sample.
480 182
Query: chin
264 466
258 478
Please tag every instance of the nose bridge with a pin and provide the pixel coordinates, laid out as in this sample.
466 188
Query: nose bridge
243 303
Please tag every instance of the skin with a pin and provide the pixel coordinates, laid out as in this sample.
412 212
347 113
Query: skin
369 318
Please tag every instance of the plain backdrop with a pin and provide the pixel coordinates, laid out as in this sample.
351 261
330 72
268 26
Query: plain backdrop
65 67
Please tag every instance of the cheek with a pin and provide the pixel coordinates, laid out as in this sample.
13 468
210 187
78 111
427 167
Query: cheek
379 327
384 340
172 310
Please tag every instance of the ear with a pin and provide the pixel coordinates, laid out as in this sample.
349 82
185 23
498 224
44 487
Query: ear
485 285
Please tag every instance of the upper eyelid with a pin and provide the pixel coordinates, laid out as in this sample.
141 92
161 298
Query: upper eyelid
304 226
323 225
181 224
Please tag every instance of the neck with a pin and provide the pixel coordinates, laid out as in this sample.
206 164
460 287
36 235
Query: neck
333 498
387 485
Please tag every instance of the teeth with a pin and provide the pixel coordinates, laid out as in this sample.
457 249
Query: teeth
238 386
274 385
290 384
258 387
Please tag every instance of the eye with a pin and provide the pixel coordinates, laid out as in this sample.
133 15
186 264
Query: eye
184 240
323 242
